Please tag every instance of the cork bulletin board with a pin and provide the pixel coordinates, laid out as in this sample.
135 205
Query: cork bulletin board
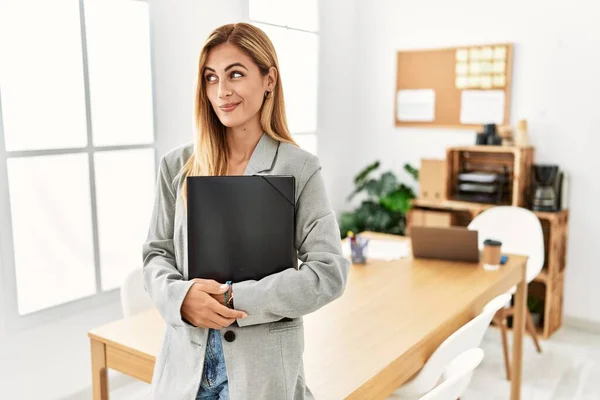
459 87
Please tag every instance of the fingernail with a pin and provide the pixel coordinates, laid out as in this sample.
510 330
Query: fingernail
244 315
224 286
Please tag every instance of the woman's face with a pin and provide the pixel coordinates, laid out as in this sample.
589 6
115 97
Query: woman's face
234 85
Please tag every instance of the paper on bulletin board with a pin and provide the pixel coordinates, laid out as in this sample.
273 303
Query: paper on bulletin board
482 107
415 105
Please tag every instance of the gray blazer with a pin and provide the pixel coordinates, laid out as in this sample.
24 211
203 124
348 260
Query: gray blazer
264 359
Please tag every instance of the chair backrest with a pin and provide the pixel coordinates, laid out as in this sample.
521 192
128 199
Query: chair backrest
462 368
519 230
467 337
134 297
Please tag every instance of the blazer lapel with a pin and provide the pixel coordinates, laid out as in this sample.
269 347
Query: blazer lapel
263 156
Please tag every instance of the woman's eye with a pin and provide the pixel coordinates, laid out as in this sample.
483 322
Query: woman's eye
236 74
210 78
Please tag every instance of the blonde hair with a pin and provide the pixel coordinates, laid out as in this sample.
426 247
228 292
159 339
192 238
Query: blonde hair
210 156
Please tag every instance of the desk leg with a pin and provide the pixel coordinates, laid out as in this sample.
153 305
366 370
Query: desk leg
99 377
519 328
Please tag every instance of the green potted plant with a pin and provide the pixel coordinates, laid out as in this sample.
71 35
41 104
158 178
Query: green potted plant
386 205
536 309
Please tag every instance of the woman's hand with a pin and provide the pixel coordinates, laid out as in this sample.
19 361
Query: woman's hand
201 308
220 297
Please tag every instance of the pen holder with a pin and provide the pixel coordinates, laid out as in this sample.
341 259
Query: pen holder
358 249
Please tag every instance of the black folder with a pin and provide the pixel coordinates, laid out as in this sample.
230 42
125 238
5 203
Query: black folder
240 227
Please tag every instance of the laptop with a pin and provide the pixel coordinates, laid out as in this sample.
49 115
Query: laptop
240 227
453 243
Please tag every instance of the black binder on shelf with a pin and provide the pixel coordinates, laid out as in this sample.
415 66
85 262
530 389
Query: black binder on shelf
240 227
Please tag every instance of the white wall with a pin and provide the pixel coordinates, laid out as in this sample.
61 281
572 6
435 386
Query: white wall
52 361
555 87
337 133
180 28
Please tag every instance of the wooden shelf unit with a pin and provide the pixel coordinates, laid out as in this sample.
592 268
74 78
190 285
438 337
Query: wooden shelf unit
516 161
539 330
554 226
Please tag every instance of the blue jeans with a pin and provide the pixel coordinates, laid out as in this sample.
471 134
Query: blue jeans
213 385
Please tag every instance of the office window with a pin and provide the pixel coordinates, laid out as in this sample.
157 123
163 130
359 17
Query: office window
118 44
52 229
295 14
124 193
292 26
77 146
43 99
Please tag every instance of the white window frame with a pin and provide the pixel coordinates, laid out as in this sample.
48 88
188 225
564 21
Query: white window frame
13 321
256 21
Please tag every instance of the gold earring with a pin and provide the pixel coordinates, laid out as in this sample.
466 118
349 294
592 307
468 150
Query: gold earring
267 94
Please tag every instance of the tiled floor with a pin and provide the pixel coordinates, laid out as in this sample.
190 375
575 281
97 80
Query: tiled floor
134 390
567 369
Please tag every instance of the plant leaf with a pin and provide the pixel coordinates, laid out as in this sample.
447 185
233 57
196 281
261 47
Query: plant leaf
388 183
360 180
373 187
381 220
374 216
362 175
348 222
357 190
412 171
407 189
398 201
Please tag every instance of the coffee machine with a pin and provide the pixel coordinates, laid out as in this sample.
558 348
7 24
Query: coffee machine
546 187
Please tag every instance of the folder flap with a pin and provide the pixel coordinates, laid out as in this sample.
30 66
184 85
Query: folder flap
285 187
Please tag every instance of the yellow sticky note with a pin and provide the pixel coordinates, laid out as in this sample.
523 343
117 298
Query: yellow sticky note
474 82
498 67
474 54
462 55
486 53
486 67
499 81
486 81
462 68
474 67
500 53
462 82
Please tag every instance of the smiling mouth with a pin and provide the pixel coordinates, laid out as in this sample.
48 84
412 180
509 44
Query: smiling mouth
229 107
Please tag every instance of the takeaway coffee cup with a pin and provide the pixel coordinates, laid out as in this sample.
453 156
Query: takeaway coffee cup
492 251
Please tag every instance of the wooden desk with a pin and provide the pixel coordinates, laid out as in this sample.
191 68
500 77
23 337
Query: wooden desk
391 318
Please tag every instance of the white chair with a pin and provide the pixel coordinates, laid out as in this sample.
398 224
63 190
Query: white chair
134 297
467 337
457 376
520 232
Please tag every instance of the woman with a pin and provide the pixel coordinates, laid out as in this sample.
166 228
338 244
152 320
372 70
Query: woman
251 347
